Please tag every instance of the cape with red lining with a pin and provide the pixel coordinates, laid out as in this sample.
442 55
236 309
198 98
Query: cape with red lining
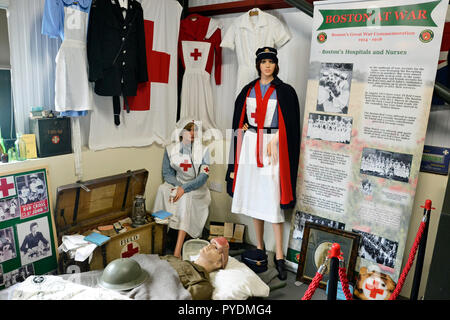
289 133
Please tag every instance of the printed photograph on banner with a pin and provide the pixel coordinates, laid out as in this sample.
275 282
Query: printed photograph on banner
298 226
7 244
2 277
9 209
329 128
334 87
377 249
18 275
34 239
366 187
33 198
7 187
386 164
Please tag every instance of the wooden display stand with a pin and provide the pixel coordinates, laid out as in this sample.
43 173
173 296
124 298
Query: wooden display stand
82 208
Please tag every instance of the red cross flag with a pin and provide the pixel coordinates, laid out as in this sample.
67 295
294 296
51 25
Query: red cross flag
7 187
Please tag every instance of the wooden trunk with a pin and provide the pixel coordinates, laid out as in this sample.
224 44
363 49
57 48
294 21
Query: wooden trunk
85 206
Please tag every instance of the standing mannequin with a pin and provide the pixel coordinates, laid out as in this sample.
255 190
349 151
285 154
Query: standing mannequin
262 173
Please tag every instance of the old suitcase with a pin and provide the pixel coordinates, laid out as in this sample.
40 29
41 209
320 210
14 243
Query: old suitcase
85 206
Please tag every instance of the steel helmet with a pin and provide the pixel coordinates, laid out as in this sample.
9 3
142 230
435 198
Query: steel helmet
122 274
192 247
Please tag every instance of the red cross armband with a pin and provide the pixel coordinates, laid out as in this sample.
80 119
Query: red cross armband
204 169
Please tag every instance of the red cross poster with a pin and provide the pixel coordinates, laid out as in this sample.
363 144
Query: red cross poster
27 244
370 83
153 110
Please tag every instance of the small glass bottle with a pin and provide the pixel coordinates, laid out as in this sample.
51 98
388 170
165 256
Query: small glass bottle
21 148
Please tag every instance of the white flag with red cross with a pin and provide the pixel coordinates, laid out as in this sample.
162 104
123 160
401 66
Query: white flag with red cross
7 187
153 110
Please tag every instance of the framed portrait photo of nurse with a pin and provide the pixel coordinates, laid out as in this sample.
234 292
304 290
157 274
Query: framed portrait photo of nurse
317 241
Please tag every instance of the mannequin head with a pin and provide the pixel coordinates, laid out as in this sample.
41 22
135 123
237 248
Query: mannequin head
188 132
215 255
267 62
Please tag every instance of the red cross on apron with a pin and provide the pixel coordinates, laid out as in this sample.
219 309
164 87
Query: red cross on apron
131 251
158 64
5 187
253 115
185 165
196 54
374 289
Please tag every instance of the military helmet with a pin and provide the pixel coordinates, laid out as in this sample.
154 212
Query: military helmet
192 247
122 274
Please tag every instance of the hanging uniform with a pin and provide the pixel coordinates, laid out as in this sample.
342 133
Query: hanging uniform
248 33
199 46
116 50
153 111
191 210
68 20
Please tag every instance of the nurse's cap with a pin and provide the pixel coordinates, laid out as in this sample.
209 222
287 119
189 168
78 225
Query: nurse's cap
266 53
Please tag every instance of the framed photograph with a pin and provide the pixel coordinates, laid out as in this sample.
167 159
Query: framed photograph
317 241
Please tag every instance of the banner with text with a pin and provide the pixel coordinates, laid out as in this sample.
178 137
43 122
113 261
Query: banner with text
370 84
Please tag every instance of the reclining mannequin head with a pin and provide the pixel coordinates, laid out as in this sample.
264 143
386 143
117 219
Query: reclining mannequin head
215 255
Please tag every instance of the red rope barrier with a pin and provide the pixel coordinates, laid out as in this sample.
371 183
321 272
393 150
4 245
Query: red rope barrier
408 265
344 283
312 286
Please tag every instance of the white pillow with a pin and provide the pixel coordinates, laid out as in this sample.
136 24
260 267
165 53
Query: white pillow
237 282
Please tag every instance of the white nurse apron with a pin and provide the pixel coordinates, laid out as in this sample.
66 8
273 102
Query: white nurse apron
257 190
191 211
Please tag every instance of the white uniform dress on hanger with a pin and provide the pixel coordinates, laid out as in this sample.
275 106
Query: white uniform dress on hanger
73 91
191 211
247 34
196 92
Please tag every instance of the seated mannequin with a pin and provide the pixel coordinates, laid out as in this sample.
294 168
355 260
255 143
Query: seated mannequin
195 275
184 192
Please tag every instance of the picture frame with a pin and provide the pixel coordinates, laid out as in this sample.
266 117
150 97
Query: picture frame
317 241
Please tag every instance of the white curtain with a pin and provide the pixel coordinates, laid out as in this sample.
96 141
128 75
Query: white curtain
4 4
32 60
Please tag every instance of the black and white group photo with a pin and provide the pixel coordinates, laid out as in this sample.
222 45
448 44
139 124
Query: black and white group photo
31 188
330 128
7 244
377 249
9 209
34 240
334 87
301 218
386 164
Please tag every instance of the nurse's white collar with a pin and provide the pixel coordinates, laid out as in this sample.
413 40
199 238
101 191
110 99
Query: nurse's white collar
261 21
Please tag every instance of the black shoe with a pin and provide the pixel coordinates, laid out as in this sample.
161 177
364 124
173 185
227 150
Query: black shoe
281 268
